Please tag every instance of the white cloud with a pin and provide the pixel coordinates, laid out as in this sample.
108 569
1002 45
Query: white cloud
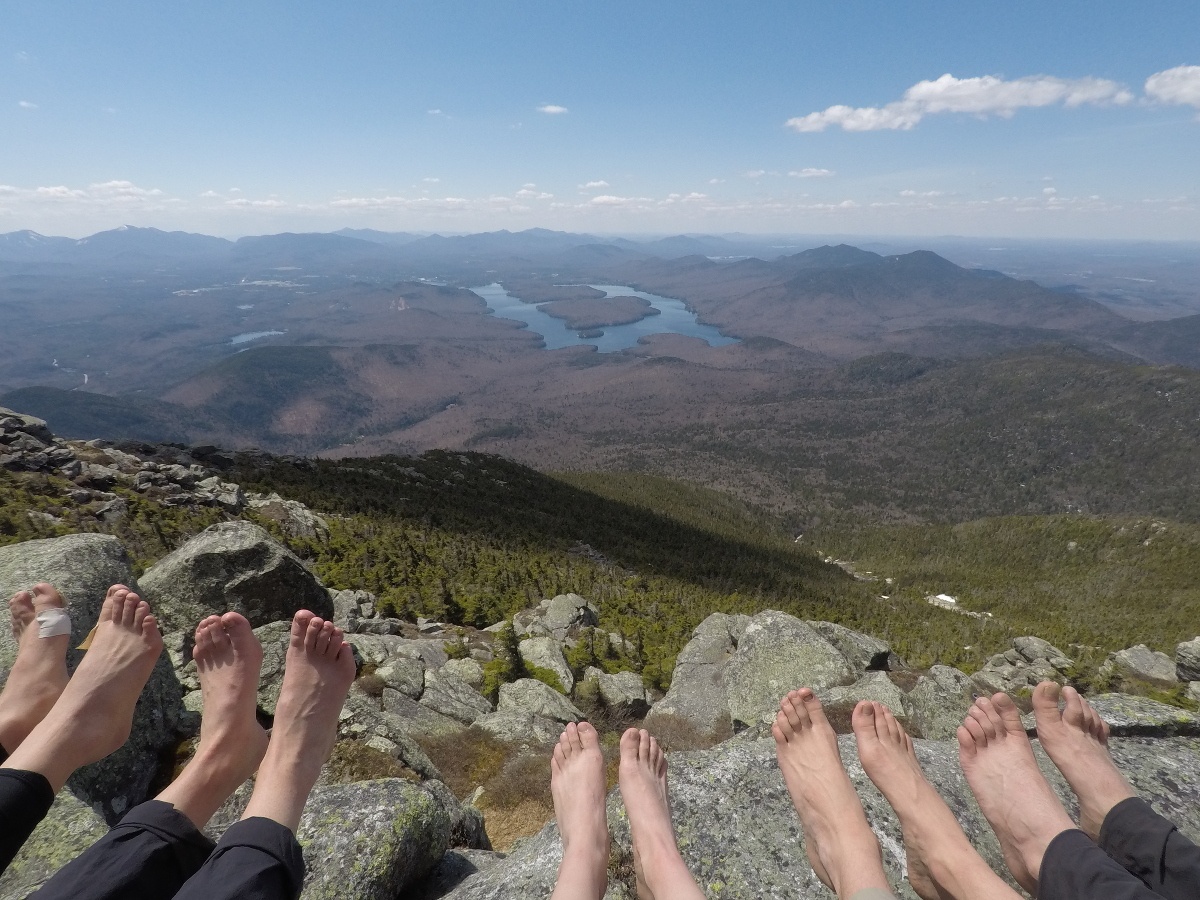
754 173
527 194
594 185
209 195
1049 191
716 181
1179 86
244 203
551 109
609 200
921 193
812 173
983 96
431 180
25 104
435 112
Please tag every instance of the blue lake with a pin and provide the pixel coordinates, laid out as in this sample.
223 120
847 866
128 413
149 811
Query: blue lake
673 318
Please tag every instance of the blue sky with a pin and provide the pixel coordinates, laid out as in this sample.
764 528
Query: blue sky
245 118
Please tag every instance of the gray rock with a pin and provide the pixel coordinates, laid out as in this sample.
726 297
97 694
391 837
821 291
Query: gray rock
466 822
69 828
1032 649
872 686
404 675
31 425
1187 660
1140 663
1128 715
777 653
623 691
453 697
296 519
741 839
515 727
416 719
697 692
83 567
527 695
453 868
469 670
369 840
348 606
274 638
362 719
863 652
377 626
233 566
546 653
939 702
1193 691
567 611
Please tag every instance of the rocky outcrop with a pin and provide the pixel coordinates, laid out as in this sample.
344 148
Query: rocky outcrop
733 671
1131 715
740 837
623 691
1029 661
556 617
532 697
368 840
232 566
1139 663
1187 660
939 702
546 653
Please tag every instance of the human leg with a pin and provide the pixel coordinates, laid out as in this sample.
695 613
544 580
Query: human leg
39 673
1126 828
577 786
1046 853
90 720
158 845
259 857
841 847
941 861
661 871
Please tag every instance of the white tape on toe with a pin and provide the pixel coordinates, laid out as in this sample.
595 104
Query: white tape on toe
53 622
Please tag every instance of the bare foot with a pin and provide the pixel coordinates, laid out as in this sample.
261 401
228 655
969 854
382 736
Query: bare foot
643 774
39 673
93 716
1012 792
228 658
577 785
840 844
941 861
1076 740
320 669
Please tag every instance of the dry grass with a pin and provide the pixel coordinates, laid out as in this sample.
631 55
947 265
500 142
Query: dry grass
507 825
355 761
674 733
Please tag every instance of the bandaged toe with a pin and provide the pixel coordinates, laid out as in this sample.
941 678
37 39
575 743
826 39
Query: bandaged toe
53 622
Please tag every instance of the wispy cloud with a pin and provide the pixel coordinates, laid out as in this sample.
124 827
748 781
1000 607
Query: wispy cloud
246 203
431 180
529 194
21 56
594 185
754 173
551 109
25 104
812 173
985 96
1179 86
435 112
911 193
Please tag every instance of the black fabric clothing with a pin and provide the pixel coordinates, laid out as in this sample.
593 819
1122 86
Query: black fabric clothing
256 858
1151 848
3 755
149 854
1075 868
25 798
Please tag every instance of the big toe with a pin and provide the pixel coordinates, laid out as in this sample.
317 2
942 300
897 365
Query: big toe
46 597
1045 703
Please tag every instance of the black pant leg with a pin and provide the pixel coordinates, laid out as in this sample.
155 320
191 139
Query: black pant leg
1152 848
1074 868
25 798
149 854
256 859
